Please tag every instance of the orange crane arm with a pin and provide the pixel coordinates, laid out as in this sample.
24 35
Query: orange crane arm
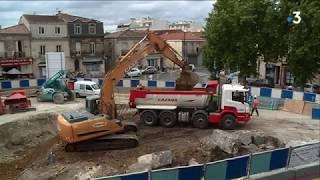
139 51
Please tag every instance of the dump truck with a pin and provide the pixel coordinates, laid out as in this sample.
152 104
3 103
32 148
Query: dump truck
226 106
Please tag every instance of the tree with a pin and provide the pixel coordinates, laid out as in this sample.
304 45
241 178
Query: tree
303 39
238 33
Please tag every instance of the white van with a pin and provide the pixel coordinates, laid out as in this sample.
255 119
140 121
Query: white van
86 88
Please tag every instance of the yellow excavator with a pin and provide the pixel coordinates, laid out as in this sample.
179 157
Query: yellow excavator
98 128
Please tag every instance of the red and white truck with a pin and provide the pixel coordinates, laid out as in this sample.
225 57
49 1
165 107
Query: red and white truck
200 106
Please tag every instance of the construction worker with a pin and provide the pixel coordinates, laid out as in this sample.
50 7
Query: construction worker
255 105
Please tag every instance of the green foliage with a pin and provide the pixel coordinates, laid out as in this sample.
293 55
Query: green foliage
238 33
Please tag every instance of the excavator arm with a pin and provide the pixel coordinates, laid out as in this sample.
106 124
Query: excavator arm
151 43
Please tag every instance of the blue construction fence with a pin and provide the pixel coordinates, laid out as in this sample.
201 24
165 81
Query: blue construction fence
238 167
262 92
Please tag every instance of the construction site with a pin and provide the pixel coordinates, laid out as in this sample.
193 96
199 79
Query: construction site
58 136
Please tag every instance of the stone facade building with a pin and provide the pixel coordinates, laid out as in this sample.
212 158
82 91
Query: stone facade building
15 51
86 38
48 34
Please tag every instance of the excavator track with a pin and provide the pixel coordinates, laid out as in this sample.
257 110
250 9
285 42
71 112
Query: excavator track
109 142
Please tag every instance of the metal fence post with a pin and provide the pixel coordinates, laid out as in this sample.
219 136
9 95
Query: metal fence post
249 166
149 174
204 171
289 157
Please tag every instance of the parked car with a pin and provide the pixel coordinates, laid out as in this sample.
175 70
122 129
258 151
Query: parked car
308 87
193 68
86 88
260 83
134 72
150 70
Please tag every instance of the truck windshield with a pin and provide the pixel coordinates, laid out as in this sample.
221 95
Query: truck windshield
95 86
240 96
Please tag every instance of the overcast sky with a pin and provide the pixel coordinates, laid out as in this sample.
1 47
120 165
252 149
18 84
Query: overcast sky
110 12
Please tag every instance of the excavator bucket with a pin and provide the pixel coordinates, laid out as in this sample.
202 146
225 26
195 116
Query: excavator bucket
187 80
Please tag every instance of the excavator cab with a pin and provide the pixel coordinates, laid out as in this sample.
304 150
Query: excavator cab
92 104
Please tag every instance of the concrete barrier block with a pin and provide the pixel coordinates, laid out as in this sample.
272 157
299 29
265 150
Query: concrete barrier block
126 83
276 93
297 95
161 84
33 83
318 98
24 83
266 92
255 91
144 82
15 84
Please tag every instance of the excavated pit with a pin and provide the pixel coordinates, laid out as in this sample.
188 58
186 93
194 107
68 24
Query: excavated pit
30 149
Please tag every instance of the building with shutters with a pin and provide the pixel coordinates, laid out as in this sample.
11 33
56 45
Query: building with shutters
86 38
48 34
15 52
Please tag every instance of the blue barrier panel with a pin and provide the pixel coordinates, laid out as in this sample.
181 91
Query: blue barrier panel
40 82
140 176
191 172
134 82
6 85
217 170
100 82
170 84
152 83
120 83
237 167
309 97
168 174
266 92
24 83
279 158
260 163
286 94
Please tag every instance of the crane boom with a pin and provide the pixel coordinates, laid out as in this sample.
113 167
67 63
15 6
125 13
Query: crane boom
151 43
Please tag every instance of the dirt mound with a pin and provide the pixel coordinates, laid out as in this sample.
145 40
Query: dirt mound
186 81
27 132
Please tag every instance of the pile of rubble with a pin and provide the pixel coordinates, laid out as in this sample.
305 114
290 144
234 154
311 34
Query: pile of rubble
240 142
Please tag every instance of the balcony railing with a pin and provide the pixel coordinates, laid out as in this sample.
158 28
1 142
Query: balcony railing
85 54
14 54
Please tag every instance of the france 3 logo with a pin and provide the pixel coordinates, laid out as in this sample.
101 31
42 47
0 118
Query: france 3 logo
295 19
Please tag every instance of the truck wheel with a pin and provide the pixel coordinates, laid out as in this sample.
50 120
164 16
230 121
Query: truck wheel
168 118
58 98
228 121
149 117
71 97
200 119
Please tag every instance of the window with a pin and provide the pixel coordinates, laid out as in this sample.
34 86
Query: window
92 28
58 48
88 87
239 96
92 67
77 28
78 48
42 50
92 48
82 86
41 30
152 62
57 30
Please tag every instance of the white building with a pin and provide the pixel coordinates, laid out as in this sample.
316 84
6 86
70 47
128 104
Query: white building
186 26
48 34
144 24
